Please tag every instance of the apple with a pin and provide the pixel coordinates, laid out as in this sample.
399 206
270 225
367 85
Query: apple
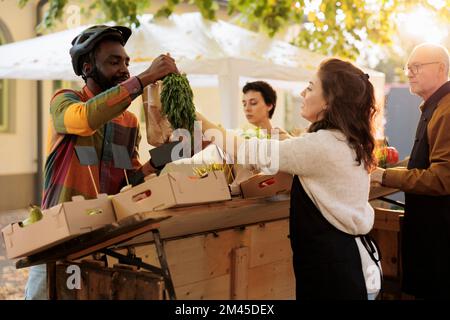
391 155
386 156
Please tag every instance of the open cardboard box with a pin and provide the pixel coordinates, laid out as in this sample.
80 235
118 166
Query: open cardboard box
171 190
211 155
59 223
261 185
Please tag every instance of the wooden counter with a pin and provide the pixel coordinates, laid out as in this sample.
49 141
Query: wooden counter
236 249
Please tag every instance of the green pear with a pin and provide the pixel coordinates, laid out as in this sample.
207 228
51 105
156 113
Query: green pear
34 216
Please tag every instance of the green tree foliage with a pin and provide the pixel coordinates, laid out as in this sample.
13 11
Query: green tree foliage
331 27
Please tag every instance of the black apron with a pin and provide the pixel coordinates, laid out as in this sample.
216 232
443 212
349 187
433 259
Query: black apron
327 263
426 227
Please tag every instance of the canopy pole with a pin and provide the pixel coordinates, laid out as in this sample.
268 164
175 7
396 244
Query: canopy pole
230 93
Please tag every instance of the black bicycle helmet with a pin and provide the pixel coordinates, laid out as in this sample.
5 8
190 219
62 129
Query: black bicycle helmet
87 40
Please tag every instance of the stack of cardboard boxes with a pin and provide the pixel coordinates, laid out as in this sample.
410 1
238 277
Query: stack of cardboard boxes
70 219
173 189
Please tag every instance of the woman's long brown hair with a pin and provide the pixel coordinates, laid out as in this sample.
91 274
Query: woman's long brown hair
351 107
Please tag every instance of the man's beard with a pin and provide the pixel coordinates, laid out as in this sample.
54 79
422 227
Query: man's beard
102 81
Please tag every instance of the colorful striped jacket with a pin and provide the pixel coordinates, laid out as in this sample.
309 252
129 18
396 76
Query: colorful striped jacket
78 118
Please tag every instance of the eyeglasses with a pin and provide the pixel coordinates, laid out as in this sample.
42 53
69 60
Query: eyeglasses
415 68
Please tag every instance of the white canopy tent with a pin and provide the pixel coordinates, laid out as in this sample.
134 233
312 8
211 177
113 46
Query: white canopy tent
202 49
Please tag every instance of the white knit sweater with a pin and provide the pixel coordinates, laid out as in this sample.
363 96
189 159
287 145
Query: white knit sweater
326 167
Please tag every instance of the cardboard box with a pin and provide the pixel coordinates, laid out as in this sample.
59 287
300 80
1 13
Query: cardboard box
262 185
171 190
59 223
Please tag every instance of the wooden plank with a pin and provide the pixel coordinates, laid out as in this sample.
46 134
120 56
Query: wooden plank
147 289
112 241
239 273
195 259
388 243
83 294
198 258
51 280
61 284
269 242
211 289
387 219
124 230
216 216
386 233
122 286
99 283
273 281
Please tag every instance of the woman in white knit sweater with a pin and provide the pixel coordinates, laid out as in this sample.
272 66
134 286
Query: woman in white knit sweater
331 164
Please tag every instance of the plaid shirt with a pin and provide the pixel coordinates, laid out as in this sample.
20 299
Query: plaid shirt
78 118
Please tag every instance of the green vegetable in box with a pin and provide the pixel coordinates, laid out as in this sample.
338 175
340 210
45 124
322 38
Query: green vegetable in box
35 214
226 168
93 212
258 133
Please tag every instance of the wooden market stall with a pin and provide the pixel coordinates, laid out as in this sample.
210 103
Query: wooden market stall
240 249
236 249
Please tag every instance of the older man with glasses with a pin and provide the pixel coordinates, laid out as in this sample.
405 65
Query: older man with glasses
426 180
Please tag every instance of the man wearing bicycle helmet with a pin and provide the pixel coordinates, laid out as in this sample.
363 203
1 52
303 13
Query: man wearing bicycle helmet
95 116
